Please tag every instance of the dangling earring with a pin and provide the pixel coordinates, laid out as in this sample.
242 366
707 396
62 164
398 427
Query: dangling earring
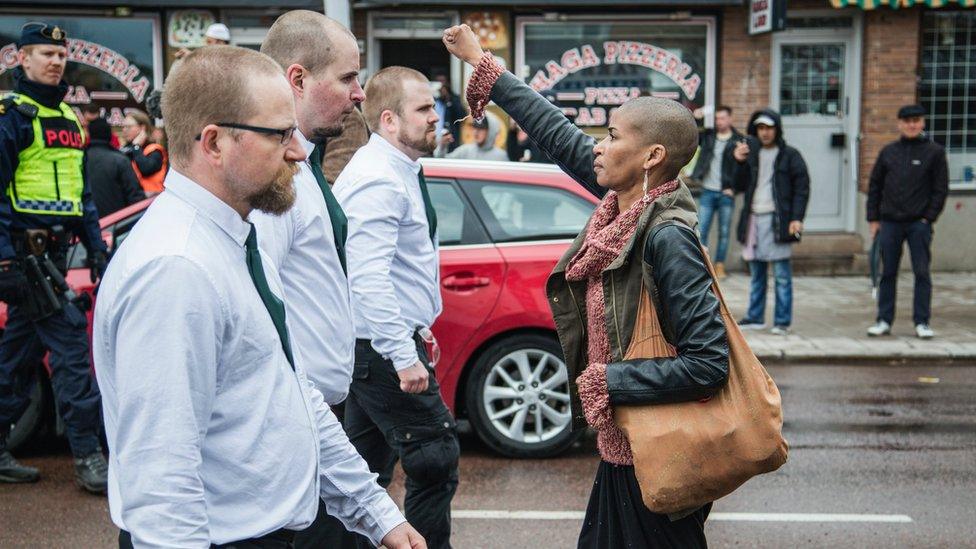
645 181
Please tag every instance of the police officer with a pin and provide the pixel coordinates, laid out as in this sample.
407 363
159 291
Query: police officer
44 202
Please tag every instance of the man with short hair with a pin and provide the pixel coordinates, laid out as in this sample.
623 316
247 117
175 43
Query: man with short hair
774 179
716 170
395 409
216 435
307 244
906 194
45 202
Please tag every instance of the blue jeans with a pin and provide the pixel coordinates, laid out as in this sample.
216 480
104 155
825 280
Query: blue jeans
783 274
708 203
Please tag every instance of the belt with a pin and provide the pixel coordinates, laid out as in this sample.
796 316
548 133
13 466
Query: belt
281 538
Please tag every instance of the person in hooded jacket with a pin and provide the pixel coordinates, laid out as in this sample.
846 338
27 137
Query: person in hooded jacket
483 147
113 182
776 184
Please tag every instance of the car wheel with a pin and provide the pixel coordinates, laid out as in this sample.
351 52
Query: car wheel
32 422
517 397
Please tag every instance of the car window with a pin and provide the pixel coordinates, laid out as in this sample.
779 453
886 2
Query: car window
515 212
77 255
456 222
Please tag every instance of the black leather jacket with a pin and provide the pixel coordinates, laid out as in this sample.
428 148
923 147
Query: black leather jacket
706 140
664 256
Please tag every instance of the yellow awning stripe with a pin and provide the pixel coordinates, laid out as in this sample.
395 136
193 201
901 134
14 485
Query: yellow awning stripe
871 4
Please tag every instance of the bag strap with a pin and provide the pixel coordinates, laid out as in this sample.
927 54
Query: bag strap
649 295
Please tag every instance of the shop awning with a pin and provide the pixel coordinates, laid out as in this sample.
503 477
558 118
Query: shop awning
871 4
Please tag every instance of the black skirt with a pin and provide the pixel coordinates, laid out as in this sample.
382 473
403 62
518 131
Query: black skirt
616 517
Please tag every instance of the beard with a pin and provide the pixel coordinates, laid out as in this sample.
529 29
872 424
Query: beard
424 144
279 196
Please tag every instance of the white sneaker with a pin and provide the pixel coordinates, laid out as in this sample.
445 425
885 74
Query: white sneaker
880 329
923 331
780 330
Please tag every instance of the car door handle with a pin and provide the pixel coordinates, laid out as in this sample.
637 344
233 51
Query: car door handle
465 281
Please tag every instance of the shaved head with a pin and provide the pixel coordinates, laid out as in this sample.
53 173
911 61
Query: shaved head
305 38
665 122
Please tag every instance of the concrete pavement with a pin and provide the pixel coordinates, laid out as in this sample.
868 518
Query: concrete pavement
831 316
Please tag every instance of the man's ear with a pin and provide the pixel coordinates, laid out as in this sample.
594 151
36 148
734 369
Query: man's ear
388 121
655 156
296 74
209 144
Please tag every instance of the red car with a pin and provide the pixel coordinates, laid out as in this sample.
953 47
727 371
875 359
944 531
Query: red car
502 228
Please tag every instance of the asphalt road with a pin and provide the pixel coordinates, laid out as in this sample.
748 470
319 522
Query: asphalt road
886 441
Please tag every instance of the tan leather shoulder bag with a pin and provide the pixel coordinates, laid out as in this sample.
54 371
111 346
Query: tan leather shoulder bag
690 453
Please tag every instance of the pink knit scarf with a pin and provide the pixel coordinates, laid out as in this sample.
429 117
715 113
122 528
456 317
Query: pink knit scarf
606 235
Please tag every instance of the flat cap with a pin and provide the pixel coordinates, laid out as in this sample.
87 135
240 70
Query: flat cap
911 111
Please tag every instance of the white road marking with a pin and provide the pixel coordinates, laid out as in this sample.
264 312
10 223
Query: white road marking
488 514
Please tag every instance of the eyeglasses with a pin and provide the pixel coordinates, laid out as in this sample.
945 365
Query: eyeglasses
52 32
285 134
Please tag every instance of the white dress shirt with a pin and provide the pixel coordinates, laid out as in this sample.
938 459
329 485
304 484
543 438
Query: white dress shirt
213 436
317 299
393 266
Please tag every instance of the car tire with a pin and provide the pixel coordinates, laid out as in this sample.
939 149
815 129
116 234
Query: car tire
32 423
504 406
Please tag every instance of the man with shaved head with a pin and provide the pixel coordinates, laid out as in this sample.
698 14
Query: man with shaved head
640 242
320 59
216 435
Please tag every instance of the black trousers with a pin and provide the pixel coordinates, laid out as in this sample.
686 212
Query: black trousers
892 238
23 346
385 424
279 539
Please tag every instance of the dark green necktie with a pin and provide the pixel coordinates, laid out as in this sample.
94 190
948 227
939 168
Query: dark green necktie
428 205
271 302
340 224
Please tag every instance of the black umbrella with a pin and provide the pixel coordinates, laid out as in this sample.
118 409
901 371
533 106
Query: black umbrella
874 260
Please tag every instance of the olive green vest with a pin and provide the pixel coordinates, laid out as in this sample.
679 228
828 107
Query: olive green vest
50 177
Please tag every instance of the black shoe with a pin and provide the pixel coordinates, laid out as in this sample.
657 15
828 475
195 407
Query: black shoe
13 472
91 472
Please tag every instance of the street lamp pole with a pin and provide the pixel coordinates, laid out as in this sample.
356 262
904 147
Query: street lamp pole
338 10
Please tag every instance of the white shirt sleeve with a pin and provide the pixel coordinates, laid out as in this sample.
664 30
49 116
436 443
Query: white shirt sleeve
374 210
346 485
165 374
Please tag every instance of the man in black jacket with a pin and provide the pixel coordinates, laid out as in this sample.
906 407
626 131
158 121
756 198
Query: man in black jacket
907 192
113 181
716 170
776 184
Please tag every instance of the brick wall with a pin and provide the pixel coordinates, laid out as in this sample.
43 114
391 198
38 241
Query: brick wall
890 71
744 66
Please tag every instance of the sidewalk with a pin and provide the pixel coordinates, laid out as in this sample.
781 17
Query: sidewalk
831 316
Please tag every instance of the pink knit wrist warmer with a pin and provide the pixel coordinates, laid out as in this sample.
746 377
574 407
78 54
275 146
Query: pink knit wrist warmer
479 87
592 384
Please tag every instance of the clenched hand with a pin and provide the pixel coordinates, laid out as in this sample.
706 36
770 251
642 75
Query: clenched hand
463 43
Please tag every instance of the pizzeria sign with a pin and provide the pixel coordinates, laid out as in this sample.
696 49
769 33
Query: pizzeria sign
95 56
619 52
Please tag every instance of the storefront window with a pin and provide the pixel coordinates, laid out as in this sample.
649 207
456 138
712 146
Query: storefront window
948 89
110 60
589 67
